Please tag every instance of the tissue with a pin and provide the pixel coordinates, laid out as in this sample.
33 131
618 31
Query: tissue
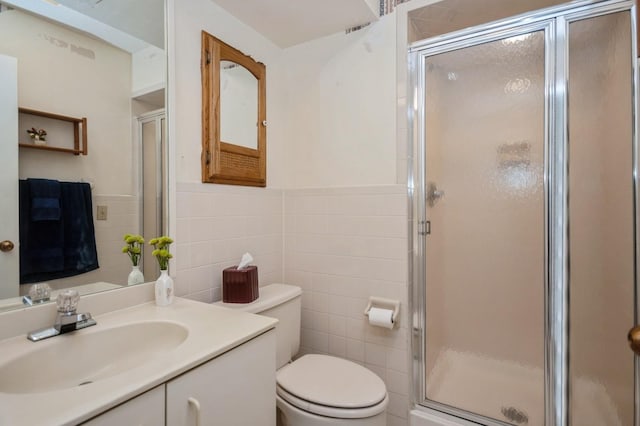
245 261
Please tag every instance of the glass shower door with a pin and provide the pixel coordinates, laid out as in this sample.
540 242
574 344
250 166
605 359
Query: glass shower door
485 250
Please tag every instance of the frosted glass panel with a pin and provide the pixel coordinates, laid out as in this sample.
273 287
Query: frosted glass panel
485 255
601 220
446 16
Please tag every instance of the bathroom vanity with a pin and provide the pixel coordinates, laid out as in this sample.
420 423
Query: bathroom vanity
186 364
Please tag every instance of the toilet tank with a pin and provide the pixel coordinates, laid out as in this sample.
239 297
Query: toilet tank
282 302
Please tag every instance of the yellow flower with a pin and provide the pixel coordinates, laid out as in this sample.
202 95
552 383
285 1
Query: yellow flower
133 247
161 250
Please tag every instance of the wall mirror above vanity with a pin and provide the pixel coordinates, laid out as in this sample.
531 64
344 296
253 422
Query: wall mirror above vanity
234 145
104 61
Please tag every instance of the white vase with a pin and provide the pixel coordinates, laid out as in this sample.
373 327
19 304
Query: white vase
38 141
164 289
135 276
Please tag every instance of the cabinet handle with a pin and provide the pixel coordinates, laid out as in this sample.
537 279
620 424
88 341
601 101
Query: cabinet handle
194 402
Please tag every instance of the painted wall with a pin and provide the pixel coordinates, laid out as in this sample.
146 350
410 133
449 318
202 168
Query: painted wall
330 102
98 87
340 109
331 112
191 17
148 70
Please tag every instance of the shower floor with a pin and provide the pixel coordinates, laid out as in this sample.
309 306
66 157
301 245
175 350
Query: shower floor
511 392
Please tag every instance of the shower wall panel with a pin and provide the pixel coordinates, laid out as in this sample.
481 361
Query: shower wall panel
601 218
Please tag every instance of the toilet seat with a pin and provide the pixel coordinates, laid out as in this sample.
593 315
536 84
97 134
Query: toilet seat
332 387
339 413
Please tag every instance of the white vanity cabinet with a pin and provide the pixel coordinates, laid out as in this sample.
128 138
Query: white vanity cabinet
144 410
146 365
235 389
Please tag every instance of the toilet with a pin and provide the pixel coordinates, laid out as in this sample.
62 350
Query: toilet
315 390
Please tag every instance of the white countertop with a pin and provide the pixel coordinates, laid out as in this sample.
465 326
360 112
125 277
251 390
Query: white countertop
212 331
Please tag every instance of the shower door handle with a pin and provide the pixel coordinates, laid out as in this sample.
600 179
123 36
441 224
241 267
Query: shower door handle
634 339
433 194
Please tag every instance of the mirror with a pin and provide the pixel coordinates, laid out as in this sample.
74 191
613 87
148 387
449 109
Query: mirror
234 123
238 105
104 61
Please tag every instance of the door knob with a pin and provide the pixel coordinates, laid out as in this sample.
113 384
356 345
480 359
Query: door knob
6 246
634 339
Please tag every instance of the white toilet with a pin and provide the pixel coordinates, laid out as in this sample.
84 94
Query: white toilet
315 390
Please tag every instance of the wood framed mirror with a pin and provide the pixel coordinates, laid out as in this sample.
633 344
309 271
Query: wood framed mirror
234 136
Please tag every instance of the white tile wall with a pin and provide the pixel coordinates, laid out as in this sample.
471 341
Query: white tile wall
216 224
342 245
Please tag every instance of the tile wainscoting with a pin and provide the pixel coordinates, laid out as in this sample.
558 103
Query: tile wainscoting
215 225
340 245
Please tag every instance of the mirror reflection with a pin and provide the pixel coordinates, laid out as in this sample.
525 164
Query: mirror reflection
103 61
238 105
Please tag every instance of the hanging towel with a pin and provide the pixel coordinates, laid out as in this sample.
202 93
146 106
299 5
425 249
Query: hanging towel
51 249
45 199
80 253
41 233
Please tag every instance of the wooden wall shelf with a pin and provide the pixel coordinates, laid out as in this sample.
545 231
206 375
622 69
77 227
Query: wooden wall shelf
79 132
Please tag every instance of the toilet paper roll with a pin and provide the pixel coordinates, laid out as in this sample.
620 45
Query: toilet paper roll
381 317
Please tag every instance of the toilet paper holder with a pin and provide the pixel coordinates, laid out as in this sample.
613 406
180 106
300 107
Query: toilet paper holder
383 303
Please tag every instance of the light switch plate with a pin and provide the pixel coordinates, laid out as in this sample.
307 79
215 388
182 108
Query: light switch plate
102 213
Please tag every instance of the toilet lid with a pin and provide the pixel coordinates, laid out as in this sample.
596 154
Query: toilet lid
332 382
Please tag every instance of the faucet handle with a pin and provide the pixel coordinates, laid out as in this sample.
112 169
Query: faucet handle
67 301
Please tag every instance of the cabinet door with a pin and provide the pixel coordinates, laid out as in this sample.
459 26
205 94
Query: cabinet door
238 388
144 410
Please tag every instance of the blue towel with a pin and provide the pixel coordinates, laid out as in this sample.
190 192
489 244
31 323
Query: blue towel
51 249
45 209
41 241
45 199
80 253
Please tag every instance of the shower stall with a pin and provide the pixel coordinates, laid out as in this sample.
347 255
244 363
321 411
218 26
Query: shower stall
524 215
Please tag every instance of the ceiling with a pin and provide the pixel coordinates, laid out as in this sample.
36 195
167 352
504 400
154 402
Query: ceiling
129 25
287 23
143 19
284 22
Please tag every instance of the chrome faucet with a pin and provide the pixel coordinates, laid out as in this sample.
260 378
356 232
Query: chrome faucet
38 293
67 319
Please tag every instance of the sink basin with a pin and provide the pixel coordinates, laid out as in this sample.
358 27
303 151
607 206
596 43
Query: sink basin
87 356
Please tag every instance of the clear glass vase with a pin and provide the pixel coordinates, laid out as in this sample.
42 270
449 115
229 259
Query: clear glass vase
135 276
164 289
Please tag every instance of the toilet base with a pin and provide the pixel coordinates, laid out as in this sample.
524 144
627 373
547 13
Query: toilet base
288 415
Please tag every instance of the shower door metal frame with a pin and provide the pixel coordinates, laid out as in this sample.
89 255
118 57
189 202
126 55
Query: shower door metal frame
162 173
555 23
